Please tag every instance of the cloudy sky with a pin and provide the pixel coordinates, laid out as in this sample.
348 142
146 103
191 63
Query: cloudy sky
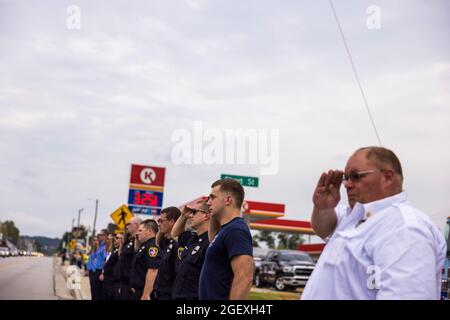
78 106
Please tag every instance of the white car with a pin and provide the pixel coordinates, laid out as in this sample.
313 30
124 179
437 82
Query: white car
4 252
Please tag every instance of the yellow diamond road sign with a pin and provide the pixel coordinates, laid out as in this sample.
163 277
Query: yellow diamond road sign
122 216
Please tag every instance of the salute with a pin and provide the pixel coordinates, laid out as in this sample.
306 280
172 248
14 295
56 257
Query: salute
192 249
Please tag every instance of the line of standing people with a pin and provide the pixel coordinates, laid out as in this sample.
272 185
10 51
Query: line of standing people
202 252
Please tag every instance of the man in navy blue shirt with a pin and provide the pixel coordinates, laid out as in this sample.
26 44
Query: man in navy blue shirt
227 272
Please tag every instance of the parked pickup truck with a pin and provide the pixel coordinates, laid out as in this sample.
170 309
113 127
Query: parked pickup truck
284 269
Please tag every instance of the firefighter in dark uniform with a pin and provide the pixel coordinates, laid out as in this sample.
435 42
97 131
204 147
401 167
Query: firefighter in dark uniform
192 249
126 257
169 248
112 258
144 267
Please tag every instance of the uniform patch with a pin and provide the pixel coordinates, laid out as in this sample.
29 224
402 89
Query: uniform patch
153 251
180 252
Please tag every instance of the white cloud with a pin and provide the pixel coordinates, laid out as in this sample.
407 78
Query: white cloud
78 107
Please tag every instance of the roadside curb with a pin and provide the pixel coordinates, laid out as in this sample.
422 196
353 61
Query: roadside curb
60 282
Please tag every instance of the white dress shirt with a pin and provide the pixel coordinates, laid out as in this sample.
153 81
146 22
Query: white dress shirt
386 249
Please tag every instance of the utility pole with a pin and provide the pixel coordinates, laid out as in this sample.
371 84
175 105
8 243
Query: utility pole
95 216
79 212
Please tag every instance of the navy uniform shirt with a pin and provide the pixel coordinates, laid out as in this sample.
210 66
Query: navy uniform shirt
147 257
116 271
191 257
166 270
125 260
233 239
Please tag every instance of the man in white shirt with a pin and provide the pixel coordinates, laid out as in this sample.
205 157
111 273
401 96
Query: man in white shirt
380 247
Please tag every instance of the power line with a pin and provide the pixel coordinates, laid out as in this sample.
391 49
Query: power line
355 73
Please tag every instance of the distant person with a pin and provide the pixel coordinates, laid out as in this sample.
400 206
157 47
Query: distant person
227 272
382 247
144 267
192 249
63 256
78 259
107 276
116 272
91 267
100 256
169 249
85 258
126 257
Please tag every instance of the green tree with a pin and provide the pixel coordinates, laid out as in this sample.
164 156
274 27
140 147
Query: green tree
255 243
10 231
65 240
267 237
289 241
79 232
283 240
294 241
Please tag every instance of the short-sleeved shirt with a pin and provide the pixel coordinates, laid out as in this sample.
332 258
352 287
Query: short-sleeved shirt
233 239
166 270
385 249
147 257
191 257
125 260
183 240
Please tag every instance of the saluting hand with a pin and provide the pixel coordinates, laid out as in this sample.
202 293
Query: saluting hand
327 195
186 212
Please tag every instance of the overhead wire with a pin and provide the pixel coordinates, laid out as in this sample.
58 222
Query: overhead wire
355 72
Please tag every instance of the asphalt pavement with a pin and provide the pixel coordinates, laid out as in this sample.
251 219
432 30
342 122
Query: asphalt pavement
27 278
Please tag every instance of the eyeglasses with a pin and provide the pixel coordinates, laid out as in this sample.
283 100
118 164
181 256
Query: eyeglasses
162 220
355 176
202 211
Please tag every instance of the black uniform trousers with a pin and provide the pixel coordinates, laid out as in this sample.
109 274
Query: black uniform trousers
91 284
98 285
108 289
125 291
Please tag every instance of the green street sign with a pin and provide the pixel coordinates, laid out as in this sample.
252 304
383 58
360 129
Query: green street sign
245 181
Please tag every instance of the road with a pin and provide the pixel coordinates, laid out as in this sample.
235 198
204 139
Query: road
26 278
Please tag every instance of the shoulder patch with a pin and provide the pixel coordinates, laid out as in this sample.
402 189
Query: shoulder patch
180 251
153 251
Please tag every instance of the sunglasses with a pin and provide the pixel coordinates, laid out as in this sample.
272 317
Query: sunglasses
194 212
355 176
